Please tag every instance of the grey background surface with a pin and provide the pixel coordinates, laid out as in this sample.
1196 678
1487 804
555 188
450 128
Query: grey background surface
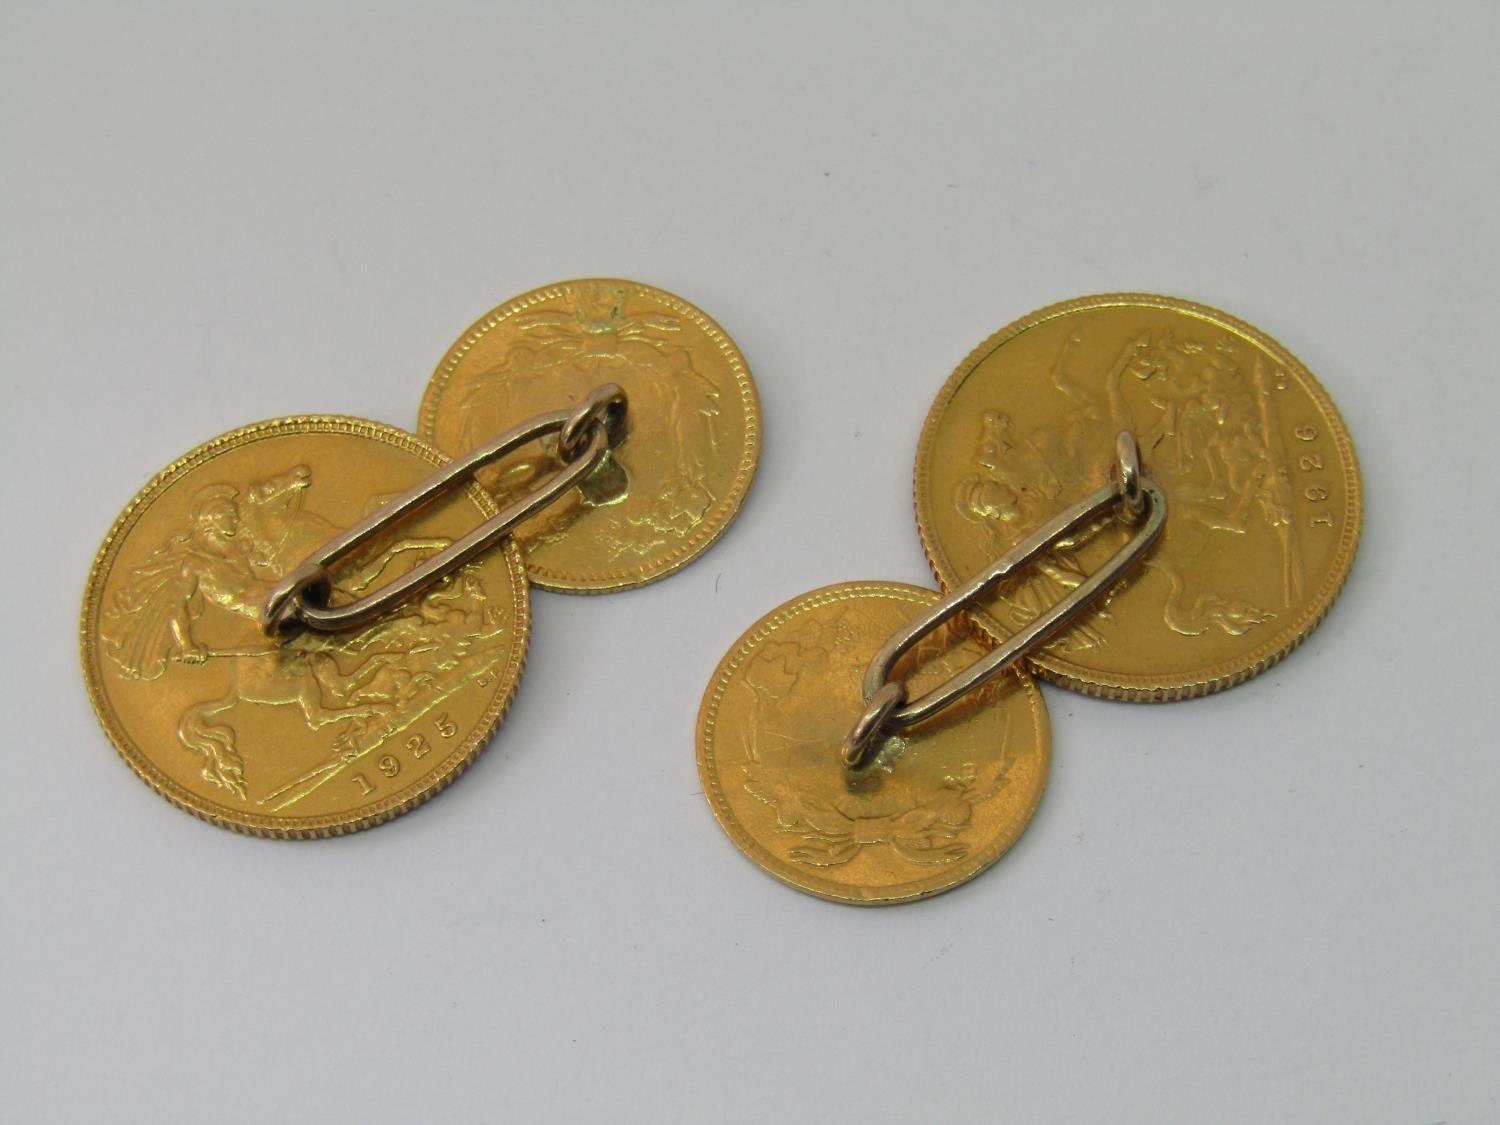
1279 904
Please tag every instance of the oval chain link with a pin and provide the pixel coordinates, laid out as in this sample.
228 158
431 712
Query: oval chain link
1141 502
300 600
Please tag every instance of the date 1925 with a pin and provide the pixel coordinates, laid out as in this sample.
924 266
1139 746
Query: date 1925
416 747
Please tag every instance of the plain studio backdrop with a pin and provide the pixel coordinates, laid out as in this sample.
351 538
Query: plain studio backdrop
1276 904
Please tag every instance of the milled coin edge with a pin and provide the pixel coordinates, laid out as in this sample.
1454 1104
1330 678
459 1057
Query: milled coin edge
1217 677
300 828
774 866
690 550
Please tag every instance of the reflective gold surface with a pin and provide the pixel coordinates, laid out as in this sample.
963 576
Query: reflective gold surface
323 734
693 436
940 802
1260 476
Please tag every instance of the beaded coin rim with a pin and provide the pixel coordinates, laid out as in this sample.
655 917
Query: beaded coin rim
726 510
309 827
808 881
1215 677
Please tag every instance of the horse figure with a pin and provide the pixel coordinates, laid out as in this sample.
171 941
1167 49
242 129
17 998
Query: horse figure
238 545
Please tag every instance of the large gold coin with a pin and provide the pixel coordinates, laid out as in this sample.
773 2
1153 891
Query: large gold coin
940 802
325 733
693 426
1261 482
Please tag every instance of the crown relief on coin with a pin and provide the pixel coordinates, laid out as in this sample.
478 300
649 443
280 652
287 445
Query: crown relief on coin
1259 470
693 425
325 733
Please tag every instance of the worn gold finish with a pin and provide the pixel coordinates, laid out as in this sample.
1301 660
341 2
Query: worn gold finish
324 733
938 802
693 439
1249 450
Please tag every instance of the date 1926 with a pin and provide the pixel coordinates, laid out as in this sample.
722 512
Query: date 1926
1310 461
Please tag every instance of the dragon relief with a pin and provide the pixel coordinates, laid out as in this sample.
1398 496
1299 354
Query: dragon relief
559 357
1209 433
363 687
791 760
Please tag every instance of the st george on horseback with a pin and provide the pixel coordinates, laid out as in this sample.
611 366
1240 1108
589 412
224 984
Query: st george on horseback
238 542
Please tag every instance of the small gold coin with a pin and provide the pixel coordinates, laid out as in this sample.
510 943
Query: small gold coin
326 733
939 803
669 490
1262 488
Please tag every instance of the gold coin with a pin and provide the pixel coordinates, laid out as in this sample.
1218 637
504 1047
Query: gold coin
1262 486
940 802
693 426
326 733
